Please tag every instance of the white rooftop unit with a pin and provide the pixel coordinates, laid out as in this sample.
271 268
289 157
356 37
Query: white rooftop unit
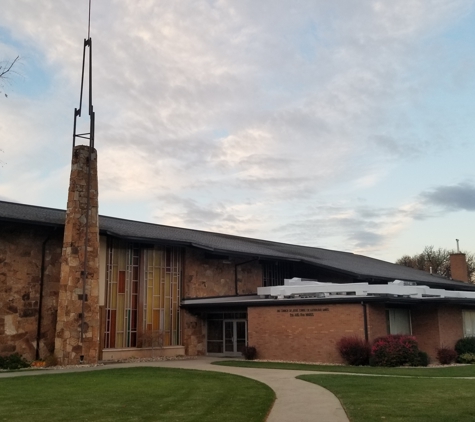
297 287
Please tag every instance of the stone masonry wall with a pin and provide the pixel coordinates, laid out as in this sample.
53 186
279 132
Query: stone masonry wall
20 283
213 277
193 334
68 346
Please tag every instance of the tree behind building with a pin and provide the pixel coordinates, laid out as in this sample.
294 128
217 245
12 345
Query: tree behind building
437 261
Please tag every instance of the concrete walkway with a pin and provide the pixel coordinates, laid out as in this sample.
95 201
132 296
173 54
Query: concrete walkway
296 400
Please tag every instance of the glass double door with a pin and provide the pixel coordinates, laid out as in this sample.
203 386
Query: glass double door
226 337
234 337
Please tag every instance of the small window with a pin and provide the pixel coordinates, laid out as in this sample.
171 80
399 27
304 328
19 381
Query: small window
468 323
399 321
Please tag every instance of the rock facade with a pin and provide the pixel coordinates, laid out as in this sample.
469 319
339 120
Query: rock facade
74 345
28 288
206 277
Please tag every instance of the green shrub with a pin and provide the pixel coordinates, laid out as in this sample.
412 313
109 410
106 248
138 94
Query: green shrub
13 361
394 350
446 356
249 352
354 351
422 359
467 358
465 345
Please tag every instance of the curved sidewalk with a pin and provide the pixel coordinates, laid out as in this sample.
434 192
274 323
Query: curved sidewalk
296 400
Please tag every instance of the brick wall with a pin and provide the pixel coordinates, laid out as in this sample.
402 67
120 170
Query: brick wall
306 333
458 267
433 326
425 328
20 277
436 326
450 325
376 321
215 277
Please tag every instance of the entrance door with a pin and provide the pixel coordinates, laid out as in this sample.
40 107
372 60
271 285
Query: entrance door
226 333
234 337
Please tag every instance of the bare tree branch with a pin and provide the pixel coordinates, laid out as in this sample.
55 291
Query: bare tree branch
8 69
437 261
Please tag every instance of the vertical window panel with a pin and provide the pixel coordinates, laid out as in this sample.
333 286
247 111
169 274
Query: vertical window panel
159 289
113 328
121 282
399 321
468 323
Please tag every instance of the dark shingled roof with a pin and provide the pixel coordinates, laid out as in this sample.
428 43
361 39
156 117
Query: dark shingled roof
360 267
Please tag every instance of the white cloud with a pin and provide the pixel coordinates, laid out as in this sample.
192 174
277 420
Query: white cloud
237 116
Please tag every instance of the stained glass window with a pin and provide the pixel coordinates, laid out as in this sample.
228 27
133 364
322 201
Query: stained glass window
142 297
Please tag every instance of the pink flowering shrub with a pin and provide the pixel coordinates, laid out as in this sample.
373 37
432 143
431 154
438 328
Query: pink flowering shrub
395 350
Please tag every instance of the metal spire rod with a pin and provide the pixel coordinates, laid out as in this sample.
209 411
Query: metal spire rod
77 111
89 22
90 136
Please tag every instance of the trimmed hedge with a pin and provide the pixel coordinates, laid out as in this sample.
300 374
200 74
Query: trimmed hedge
396 350
249 352
354 351
391 350
446 356
421 360
467 358
465 345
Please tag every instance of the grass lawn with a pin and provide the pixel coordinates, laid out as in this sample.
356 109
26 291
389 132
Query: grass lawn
447 371
422 395
371 399
135 394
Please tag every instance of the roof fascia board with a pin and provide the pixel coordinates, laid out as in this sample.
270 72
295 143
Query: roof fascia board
329 301
31 222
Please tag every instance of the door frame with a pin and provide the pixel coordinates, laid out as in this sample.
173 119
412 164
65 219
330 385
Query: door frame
234 339
235 352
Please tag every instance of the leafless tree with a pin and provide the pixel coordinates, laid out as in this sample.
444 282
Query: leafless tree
7 69
153 339
437 260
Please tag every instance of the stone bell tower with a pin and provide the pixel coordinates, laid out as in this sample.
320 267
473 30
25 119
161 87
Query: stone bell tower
77 326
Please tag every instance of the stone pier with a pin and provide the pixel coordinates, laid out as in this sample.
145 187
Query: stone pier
69 349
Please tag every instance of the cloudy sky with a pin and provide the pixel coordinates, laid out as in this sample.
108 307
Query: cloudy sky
344 125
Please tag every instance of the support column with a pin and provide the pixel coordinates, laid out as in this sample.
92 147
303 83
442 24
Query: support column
68 345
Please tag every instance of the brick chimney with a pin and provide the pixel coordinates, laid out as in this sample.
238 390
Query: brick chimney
69 349
458 267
